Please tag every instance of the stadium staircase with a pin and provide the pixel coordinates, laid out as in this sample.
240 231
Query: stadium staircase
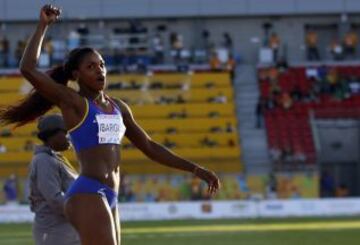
253 140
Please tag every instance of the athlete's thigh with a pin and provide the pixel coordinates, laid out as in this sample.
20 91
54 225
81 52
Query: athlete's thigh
92 218
116 217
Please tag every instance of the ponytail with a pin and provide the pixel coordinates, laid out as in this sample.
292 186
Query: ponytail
33 105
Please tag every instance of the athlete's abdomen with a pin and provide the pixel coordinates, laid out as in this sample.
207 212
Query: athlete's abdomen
101 162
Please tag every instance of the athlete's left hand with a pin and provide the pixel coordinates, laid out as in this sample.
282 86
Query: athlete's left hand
210 178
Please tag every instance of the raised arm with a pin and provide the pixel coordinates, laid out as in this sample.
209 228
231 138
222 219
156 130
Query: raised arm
161 154
42 82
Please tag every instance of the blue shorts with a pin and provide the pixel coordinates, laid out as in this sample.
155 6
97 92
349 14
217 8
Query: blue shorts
85 184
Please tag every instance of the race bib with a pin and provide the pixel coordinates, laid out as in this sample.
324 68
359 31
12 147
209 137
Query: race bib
111 128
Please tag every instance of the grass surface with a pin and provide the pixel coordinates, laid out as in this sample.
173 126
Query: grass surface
344 231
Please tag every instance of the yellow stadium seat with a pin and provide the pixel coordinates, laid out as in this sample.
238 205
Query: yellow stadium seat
136 155
9 98
204 120
191 110
198 95
17 143
194 139
11 83
186 125
26 130
194 80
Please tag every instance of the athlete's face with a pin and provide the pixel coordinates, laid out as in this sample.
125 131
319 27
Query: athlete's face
92 72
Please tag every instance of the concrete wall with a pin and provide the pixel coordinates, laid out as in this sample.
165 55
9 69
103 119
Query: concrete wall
28 9
243 31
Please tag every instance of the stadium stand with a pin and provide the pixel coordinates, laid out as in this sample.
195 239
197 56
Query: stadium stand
325 90
202 127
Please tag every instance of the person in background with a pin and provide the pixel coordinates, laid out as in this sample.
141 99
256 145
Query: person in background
228 42
230 66
350 42
10 189
336 49
3 148
259 112
274 44
342 191
50 175
327 185
158 49
97 124
4 52
215 64
311 44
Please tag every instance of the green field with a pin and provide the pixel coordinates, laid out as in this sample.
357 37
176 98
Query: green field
344 231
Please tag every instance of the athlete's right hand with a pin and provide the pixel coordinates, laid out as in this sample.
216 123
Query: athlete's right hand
49 14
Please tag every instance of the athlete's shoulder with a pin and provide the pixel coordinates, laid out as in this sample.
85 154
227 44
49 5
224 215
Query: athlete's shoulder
125 109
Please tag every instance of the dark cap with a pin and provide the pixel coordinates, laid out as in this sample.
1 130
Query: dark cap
50 123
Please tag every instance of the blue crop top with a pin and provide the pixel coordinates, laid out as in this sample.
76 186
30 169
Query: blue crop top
98 127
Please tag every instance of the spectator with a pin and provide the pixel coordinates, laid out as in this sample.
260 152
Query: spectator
158 49
274 88
296 93
177 45
354 85
196 190
6 132
220 98
311 44
73 40
49 50
336 50
271 187
207 142
10 189
4 52
230 66
271 102
259 112
327 185
229 127
350 43
288 155
125 193
282 64
228 42
215 63
207 44
275 155
3 148
20 46
299 157
342 190
274 44
286 101
273 74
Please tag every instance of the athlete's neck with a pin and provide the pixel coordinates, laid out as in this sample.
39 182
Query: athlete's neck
98 97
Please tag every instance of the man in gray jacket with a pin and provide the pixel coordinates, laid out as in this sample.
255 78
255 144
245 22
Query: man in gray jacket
50 175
